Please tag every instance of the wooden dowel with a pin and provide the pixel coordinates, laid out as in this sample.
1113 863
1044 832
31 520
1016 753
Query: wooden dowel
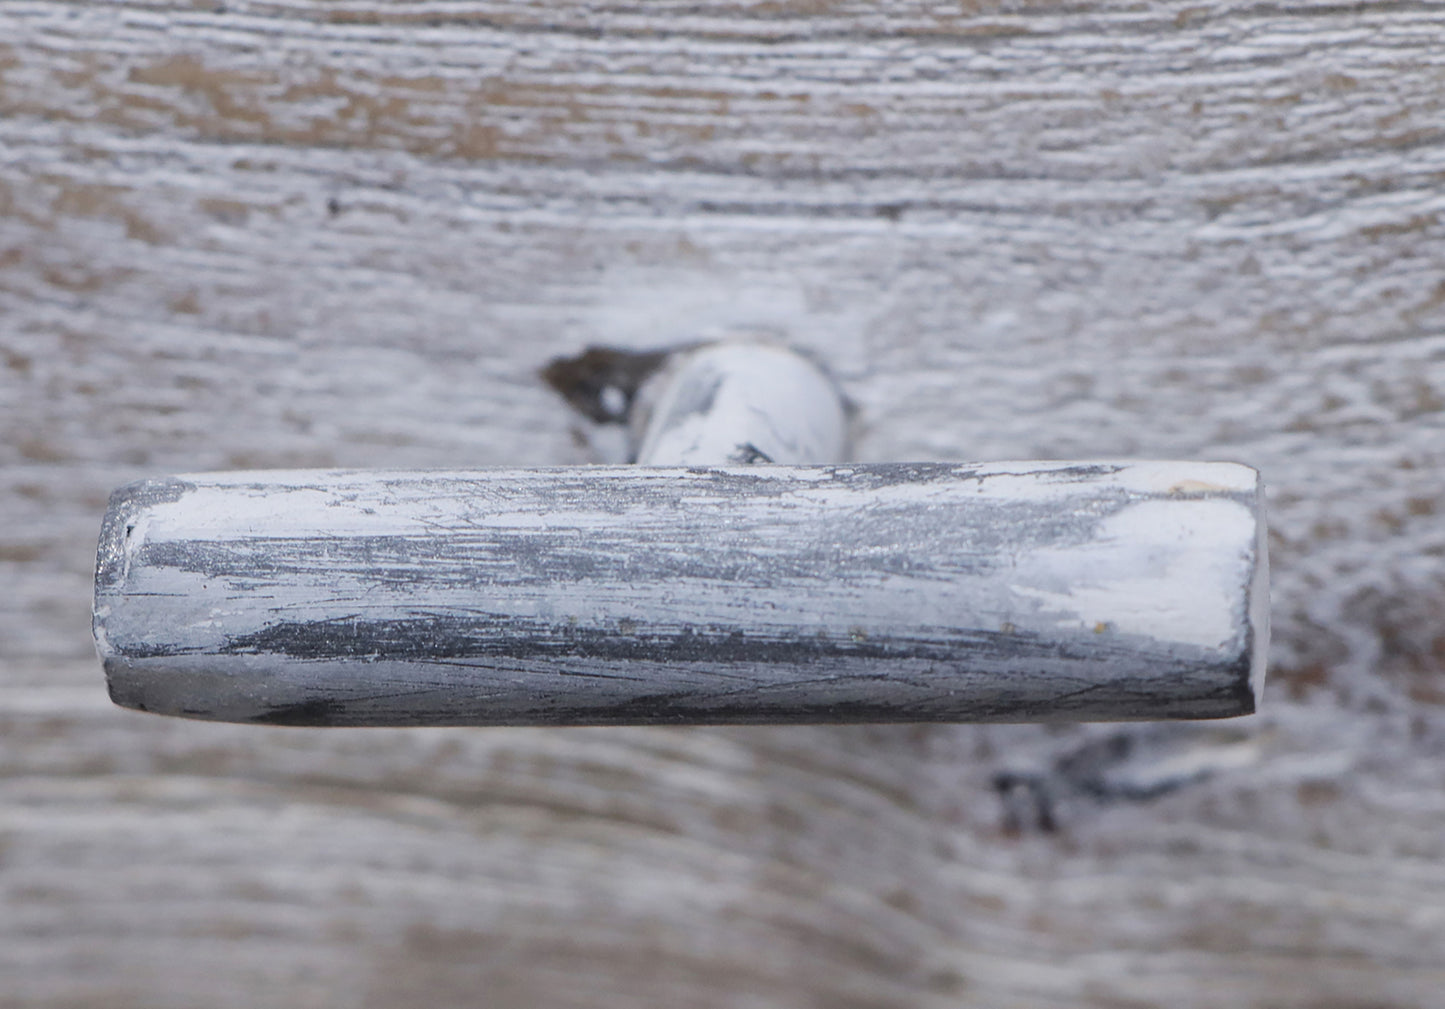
609 595
739 403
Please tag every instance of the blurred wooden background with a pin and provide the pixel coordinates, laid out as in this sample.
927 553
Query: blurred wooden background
306 233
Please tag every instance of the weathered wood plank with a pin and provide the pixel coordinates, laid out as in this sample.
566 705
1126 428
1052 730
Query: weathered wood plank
627 595
346 235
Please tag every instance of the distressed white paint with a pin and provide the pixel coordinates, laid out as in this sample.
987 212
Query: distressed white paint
1134 577
757 593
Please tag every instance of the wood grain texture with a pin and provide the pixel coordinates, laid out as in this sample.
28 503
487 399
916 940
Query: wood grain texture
301 234
637 595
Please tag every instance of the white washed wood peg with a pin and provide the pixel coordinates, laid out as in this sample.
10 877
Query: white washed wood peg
739 592
739 403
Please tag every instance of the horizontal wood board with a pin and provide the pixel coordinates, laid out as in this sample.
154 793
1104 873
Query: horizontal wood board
348 234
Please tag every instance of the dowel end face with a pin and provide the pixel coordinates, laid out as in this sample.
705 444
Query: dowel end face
1259 602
